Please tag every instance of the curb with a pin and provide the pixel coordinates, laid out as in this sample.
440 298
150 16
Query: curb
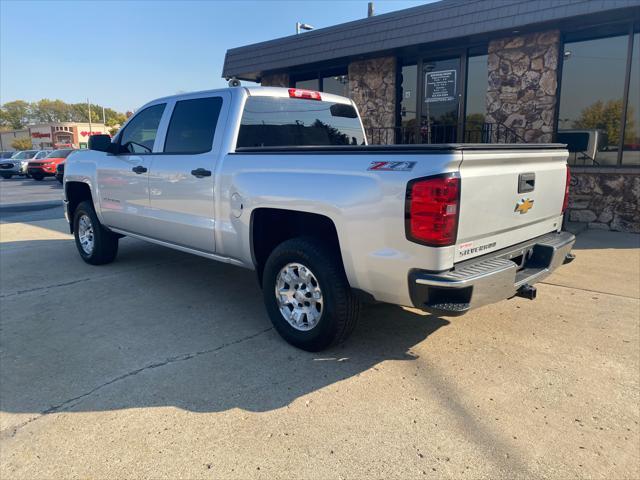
28 207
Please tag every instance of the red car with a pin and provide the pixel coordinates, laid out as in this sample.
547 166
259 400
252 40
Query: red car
47 166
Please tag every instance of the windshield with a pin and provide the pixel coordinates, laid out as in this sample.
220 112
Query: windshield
59 154
280 122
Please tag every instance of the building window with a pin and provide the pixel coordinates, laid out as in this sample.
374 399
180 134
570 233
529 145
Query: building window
476 98
311 84
592 97
409 131
336 84
631 144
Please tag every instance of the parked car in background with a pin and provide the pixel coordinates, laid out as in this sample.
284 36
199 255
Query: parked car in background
60 172
46 167
4 155
60 167
17 163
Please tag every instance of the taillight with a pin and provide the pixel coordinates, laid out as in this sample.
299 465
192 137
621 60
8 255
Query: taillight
565 203
308 94
432 210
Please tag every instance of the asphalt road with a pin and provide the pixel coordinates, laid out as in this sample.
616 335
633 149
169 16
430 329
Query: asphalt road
21 190
165 365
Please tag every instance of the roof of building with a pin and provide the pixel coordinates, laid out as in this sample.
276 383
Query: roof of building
433 22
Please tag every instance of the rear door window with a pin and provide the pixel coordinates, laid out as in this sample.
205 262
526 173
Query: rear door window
140 133
280 122
193 125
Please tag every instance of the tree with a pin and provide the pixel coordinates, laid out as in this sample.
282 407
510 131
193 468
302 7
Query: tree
607 117
45 111
21 143
14 115
17 114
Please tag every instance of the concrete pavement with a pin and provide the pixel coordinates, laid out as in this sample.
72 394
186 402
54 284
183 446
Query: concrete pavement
165 365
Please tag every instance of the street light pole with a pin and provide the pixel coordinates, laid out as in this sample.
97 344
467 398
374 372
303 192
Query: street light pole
89 105
303 26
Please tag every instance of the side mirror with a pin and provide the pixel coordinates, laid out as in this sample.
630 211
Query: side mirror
101 143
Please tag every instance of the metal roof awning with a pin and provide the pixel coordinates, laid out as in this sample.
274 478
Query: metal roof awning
434 22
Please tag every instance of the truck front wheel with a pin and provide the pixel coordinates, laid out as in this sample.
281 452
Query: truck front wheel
307 295
96 244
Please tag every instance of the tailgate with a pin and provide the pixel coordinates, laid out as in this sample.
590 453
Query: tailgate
508 197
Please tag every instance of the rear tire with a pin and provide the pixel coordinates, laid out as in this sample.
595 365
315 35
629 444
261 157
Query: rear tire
6 176
96 244
314 272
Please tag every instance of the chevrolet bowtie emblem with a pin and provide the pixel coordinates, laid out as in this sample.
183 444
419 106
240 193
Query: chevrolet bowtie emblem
524 205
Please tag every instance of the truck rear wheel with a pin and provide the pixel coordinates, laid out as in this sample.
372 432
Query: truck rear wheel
96 244
307 295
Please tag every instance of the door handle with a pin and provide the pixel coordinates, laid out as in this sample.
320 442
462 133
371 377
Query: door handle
139 169
201 172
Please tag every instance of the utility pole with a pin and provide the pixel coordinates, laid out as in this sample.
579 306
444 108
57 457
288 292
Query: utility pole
89 105
104 118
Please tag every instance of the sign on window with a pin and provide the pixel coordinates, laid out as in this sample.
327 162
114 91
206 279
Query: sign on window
440 86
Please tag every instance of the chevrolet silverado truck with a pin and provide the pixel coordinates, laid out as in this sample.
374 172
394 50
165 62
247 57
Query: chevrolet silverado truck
282 181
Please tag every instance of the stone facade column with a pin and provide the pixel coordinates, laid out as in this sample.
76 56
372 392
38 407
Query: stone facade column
372 85
275 80
523 83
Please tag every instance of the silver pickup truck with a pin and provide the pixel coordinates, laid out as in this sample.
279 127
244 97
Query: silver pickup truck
282 181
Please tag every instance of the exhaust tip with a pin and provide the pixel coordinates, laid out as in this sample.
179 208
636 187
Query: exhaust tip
527 291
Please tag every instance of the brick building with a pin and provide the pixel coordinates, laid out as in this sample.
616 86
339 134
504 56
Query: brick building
487 71
47 136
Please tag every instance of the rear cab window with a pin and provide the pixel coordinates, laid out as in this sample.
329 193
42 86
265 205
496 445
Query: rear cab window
282 122
192 126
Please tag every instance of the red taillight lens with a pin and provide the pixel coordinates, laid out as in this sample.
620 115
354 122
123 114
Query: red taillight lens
432 210
565 203
308 94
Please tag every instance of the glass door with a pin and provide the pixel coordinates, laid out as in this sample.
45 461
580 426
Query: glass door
440 120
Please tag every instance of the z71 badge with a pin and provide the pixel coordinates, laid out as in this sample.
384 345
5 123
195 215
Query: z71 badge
392 166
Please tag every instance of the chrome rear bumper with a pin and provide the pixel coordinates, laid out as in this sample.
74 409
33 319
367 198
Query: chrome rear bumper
491 278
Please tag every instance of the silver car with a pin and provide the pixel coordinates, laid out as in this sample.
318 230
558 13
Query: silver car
17 164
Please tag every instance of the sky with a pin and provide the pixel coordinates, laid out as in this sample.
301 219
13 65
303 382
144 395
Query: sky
122 54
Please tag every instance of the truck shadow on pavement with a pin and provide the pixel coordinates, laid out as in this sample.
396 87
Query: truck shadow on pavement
163 328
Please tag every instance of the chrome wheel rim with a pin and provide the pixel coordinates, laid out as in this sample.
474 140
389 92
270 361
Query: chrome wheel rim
85 234
299 296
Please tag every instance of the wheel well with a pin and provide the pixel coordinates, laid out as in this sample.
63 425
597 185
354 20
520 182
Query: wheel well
272 226
76 192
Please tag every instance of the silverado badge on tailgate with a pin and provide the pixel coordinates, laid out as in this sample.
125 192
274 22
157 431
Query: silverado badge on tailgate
523 205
